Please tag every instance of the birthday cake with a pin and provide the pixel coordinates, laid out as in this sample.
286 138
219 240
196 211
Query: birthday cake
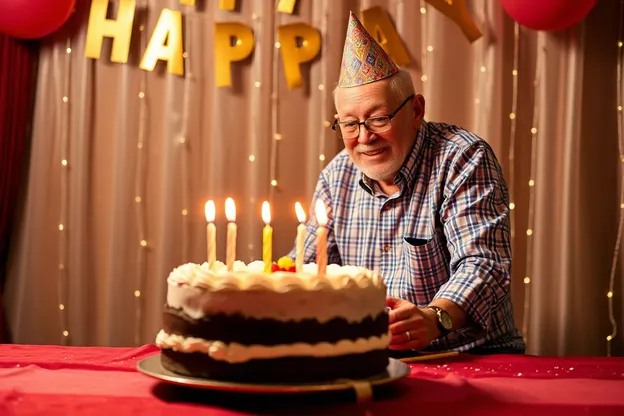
248 325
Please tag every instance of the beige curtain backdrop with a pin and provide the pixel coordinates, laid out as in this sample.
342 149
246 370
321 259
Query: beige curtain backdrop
196 143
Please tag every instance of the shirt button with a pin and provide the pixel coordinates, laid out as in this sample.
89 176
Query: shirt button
386 248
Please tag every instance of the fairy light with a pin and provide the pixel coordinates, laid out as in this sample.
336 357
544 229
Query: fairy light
276 136
63 211
541 50
512 131
139 187
256 134
616 251
483 78
183 137
423 50
323 91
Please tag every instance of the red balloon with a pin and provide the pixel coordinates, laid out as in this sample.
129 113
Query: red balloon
548 14
32 19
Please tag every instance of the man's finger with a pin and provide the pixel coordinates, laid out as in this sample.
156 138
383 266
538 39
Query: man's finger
399 338
401 326
393 302
395 316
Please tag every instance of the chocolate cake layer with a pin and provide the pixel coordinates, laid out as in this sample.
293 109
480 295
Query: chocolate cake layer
279 370
249 331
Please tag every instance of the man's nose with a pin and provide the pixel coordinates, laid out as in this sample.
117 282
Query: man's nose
365 136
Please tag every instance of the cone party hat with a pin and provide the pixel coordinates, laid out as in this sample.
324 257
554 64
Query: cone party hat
363 59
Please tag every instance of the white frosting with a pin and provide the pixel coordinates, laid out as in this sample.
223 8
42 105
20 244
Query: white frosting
237 353
348 292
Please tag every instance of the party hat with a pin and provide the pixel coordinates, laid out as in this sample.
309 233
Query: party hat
363 59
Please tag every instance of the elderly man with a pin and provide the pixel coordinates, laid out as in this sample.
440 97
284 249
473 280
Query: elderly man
423 203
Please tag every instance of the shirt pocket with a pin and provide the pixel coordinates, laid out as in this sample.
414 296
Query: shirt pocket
427 268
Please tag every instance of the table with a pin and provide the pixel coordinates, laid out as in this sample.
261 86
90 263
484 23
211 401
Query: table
56 380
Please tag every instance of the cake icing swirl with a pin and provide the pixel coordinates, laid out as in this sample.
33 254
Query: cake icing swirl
252 277
348 292
237 353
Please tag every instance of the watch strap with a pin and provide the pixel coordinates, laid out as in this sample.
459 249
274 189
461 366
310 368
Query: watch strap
439 312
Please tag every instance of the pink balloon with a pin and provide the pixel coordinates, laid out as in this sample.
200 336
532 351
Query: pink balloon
32 19
548 14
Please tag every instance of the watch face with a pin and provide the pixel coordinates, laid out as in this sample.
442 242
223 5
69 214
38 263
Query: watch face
445 320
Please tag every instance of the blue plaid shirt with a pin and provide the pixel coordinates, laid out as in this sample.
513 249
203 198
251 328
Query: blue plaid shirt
444 234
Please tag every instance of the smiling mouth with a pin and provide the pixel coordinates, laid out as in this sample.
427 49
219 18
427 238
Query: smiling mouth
374 152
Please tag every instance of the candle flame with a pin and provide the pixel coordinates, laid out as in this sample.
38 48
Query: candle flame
266 213
230 210
321 213
210 211
301 215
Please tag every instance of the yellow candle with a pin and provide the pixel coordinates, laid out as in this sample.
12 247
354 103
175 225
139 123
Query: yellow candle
230 213
211 233
301 229
321 237
267 238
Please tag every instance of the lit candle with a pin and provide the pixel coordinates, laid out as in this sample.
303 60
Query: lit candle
267 238
211 233
321 237
230 214
301 229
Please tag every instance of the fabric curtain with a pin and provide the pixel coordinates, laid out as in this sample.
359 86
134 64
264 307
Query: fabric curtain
143 152
18 62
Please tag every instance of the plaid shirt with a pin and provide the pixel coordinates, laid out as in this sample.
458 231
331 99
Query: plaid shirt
444 234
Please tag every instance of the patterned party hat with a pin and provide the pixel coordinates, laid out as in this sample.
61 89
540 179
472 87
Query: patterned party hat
363 59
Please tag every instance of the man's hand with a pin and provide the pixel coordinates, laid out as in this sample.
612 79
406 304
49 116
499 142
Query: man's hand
412 328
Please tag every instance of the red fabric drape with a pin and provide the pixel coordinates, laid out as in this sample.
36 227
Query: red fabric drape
18 63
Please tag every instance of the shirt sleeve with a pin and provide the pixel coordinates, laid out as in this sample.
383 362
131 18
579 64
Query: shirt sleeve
475 216
321 192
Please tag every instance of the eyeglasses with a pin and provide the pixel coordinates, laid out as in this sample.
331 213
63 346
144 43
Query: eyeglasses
351 129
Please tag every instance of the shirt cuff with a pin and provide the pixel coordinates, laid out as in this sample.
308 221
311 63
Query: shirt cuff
472 294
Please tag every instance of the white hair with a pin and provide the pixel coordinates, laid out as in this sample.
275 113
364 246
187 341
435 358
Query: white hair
401 85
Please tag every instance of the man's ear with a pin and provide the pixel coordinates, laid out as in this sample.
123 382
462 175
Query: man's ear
418 104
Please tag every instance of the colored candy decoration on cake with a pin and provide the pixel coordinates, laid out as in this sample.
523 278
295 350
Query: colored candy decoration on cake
284 264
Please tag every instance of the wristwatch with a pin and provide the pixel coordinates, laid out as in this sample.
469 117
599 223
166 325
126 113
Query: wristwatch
445 323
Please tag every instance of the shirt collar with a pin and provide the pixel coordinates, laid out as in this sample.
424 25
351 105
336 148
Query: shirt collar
407 172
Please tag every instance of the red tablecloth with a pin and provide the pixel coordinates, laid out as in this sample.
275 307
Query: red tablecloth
52 380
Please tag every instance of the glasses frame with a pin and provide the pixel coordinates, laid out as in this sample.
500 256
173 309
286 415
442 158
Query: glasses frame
390 116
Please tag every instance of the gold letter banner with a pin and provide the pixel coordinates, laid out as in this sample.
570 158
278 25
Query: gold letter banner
166 43
227 5
226 52
286 6
120 30
456 11
292 54
379 25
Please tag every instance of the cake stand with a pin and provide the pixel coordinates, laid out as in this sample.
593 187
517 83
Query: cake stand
396 370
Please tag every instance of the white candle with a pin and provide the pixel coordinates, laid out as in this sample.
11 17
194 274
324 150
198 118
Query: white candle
230 213
267 238
321 237
211 233
301 229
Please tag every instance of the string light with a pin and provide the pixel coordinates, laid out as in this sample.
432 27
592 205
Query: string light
322 89
616 251
139 187
423 50
274 109
511 161
482 77
512 132
257 132
64 200
541 50
183 136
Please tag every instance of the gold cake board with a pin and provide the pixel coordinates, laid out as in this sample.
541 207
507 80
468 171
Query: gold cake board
396 370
